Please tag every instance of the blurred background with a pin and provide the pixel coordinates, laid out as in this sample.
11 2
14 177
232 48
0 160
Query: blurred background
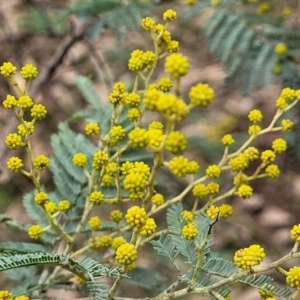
230 46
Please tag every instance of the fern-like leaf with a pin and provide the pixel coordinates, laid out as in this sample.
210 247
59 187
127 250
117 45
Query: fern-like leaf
263 280
165 247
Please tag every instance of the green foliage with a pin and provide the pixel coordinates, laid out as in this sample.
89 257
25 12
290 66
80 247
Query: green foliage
244 42
11 259
213 268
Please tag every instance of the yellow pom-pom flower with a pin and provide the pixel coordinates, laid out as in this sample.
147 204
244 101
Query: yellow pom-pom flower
177 65
213 212
27 128
8 69
155 138
118 95
92 129
35 232
21 297
213 171
138 138
13 141
239 163
135 62
295 233
29 72
293 278
281 103
272 171
251 153
226 211
193 167
10 102
116 215
167 105
245 191
267 156
287 125
165 84
126 167
156 125
279 145
25 102
281 49
79 160
151 97
117 133
96 198
133 100
248 257
51 207
254 129
240 179
288 94
149 228
14 164
41 198
201 95
117 242
200 191
148 23
64 205
95 223
172 46
255 116
179 166
136 217
227 140
158 199
105 241
170 15
41 162
188 216
176 142
38 111
5 295
134 114
126 254
189 231
100 159
148 58
213 188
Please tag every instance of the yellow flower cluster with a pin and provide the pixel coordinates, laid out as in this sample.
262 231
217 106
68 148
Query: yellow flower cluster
181 166
14 164
116 215
41 198
135 181
95 223
80 160
5 294
158 199
189 231
176 142
96 198
149 228
136 217
248 257
35 232
126 254
295 233
64 205
293 278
